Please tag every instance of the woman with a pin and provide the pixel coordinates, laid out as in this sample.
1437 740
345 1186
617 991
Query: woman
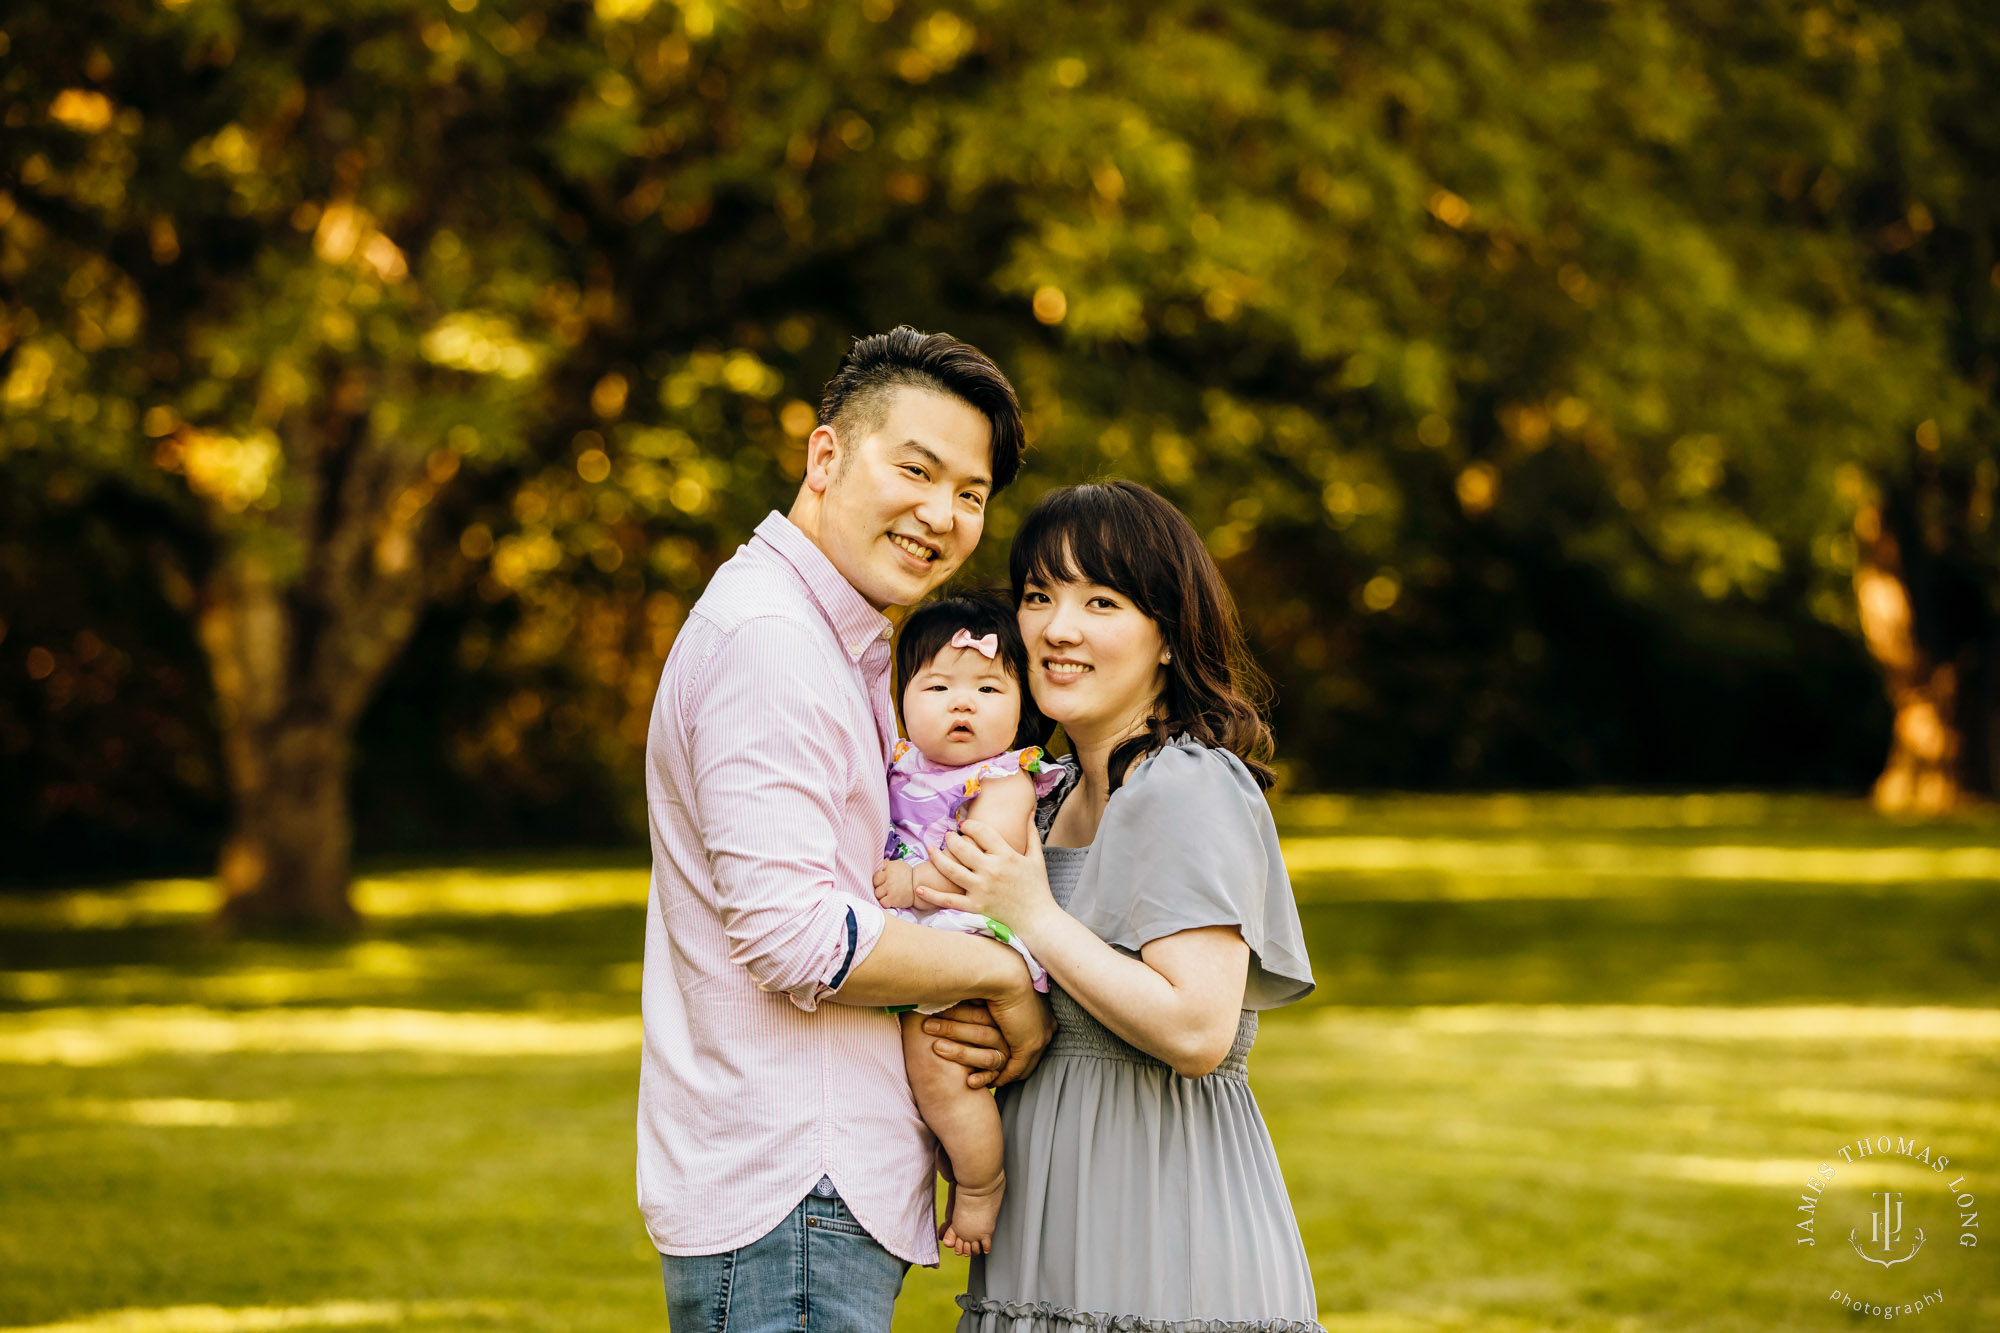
1143 1190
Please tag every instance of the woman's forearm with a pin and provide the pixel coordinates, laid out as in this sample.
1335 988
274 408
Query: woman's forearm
1187 1020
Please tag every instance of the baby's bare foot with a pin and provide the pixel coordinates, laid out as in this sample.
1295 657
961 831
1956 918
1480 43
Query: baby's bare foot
974 1211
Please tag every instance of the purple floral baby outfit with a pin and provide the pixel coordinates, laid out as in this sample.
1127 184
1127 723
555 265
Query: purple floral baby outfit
927 801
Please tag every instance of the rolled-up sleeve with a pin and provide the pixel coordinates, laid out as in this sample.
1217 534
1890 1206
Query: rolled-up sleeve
767 736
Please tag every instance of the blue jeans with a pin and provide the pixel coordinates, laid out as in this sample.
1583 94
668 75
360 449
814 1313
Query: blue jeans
815 1272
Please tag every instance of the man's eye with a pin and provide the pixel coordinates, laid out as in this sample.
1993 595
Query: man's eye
976 498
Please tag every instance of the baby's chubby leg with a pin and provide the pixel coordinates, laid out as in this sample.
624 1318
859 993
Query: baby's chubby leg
967 1124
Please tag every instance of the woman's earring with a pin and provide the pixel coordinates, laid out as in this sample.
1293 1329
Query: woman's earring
1166 658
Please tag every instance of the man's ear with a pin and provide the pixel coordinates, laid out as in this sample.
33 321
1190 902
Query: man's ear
822 455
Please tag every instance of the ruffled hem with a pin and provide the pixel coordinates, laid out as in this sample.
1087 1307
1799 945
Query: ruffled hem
1044 772
992 1316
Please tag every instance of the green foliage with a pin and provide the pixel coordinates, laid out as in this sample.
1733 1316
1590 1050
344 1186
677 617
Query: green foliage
1410 306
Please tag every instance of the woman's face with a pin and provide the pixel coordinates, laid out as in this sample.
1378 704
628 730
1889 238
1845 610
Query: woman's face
1095 661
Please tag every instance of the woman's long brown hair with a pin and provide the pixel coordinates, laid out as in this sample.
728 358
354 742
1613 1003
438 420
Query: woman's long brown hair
1122 536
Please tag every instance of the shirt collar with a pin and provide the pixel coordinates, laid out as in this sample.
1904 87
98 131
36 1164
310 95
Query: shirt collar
857 623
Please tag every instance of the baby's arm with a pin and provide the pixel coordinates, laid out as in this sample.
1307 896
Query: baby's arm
893 884
1005 803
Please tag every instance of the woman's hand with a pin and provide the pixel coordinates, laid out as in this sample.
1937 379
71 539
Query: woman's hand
992 878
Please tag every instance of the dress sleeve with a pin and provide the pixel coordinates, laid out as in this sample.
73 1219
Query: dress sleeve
1188 841
1043 771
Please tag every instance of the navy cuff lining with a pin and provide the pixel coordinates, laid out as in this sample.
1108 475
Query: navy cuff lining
853 938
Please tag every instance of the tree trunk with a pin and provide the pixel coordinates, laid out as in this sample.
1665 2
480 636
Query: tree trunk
295 660
285 861
1922 775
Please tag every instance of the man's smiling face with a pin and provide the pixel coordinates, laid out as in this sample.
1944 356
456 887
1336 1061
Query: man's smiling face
899 509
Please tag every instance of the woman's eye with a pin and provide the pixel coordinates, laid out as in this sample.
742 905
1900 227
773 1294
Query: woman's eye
1103 601
1033 597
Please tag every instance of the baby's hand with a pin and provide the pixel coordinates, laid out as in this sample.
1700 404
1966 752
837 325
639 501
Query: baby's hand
896 884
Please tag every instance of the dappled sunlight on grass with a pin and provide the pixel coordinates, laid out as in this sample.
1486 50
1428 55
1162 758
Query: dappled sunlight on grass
1439 1321
457 891
1493 868
1777 1172
259 1318
470 891
1558 812
367 969
114 1036
1975 1113
1841 1023
180 1112
1607 1167
1569 1062
116 908
1402 848
1514 810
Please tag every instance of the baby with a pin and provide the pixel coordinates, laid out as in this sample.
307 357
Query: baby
972 752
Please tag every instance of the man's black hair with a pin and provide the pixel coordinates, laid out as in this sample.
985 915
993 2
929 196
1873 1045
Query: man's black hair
979 611
856 399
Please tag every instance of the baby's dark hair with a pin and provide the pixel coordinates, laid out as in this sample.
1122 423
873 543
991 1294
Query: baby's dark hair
928 630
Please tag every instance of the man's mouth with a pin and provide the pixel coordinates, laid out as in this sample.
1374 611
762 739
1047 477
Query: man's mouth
1062 670
914 547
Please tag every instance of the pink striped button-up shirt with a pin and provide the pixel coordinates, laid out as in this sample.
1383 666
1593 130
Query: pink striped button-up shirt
768 807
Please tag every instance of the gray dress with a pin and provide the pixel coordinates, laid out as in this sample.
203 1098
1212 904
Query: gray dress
1138 1199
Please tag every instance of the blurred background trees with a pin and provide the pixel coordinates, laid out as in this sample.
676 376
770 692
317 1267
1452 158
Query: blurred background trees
1573 393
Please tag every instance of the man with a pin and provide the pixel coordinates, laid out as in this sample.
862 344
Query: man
784 1175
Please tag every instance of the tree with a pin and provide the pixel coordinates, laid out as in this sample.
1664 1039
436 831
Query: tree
1631 277
346 310
307 284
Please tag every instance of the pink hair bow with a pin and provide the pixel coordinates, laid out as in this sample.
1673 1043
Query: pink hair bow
986 645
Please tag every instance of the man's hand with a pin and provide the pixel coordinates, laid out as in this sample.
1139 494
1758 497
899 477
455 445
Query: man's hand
896 884
1027 1023
995 1048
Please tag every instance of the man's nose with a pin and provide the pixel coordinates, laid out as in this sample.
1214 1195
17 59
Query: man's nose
935 511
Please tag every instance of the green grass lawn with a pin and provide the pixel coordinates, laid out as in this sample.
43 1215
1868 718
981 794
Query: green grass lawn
1570 1066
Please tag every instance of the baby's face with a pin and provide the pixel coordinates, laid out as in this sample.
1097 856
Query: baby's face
962 707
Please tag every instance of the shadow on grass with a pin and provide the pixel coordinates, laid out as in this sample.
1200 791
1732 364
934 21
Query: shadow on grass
1511 1173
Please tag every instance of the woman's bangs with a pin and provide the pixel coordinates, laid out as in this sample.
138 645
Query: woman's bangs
1074 537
